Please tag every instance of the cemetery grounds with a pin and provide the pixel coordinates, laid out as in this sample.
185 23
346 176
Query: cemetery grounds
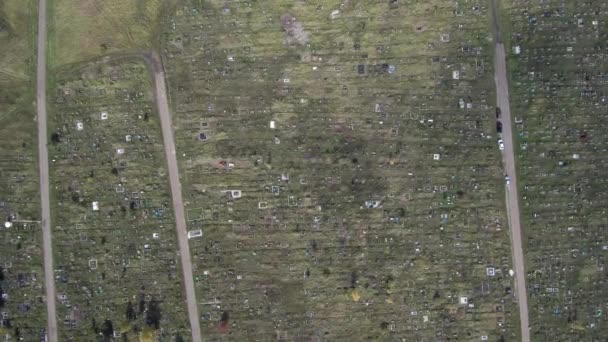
340 160
559 99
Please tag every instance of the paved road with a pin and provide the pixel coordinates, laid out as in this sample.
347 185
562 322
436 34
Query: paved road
176 192
43 164
512 197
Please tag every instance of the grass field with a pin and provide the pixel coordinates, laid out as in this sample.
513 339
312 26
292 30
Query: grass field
559 92
114 236
84 29
17 38
346 180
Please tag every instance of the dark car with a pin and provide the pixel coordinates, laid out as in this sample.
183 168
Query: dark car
498 112
498 127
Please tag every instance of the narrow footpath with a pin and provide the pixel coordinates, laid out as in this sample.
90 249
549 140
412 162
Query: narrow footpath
160 93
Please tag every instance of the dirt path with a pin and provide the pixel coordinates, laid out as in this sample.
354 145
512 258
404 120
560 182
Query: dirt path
43 164
508 158
160 93
512 196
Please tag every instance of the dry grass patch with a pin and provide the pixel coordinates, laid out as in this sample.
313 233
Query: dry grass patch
81 30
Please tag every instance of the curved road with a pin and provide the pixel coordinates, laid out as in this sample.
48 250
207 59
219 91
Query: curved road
43 165
508 159
160 93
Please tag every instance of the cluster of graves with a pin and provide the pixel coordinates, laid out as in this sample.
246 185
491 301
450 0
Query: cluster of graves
559 96
116 266
22 302
340 160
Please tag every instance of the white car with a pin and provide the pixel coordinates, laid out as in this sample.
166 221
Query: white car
501 144
507 180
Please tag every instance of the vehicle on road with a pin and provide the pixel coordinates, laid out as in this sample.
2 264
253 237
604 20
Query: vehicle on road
507 180
498 126
498 112
501 144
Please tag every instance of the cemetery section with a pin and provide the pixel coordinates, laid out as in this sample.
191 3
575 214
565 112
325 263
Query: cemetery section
559 97
22 301
340 169
21 277
117 267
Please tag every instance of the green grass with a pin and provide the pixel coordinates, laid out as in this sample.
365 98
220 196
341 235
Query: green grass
83 30
17 38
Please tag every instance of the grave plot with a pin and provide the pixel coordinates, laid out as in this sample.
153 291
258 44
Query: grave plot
340 169
117 266
22 302
558 94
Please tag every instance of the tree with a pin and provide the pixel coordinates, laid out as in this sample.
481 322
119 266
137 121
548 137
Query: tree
75 197
107 329
55 138
142 303
131 315
153 314
314 245
224 320
94 325
353 279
